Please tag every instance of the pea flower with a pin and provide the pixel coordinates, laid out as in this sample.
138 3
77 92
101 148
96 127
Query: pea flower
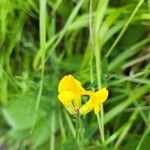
70 91
96 99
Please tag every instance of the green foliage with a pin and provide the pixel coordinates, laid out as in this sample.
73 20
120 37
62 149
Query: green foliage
103 43
14 111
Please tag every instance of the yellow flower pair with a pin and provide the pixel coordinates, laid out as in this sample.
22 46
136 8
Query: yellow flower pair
71 91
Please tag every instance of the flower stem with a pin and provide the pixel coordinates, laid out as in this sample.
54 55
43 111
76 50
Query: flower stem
77 133
101 129
102 123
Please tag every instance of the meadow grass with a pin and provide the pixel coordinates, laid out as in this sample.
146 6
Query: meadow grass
102 43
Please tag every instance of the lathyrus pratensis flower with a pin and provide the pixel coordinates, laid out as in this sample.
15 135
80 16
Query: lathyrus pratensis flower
96 98
71 91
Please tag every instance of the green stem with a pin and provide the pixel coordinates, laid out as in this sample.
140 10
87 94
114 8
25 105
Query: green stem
98 68
97 49
77 133
70 124
98 73
101 129
42 25
102 124
52 138
92 44
148 1
62 128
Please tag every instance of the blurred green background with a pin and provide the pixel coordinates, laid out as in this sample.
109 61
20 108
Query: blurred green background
43 40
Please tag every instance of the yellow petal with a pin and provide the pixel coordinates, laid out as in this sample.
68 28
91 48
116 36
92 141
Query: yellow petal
89 105
78 87
89 93
65 84
68 83
77 100
66 98
100 96
96 107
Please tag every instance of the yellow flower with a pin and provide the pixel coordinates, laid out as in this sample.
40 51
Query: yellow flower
70 91
89 105
96 99
100 97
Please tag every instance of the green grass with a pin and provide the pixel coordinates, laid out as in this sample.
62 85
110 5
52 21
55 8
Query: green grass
101 43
